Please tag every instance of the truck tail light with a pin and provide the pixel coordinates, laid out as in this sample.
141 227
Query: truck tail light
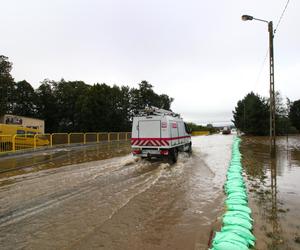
164 152
136 151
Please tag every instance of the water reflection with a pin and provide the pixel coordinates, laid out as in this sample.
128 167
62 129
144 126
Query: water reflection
274 190
53 158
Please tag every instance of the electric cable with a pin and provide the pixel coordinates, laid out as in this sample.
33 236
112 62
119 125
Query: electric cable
282 14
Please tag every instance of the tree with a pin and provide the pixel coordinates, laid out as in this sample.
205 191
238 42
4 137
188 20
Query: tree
282 121
24 99
294 114
69 97
47 107
145 96
6 85
101 110
251 115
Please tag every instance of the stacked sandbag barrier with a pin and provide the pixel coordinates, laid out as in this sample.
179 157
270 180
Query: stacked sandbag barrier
237 224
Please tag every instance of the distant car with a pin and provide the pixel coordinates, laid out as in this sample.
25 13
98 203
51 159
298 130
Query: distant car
226 131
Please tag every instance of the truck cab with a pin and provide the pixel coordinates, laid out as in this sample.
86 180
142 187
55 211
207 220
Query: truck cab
159 133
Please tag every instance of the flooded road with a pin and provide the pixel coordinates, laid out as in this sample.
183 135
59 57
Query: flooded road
117 203
33 161
274 186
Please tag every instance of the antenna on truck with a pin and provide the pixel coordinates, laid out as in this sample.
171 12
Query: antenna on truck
156 111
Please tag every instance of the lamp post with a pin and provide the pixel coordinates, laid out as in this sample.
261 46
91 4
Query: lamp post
272 89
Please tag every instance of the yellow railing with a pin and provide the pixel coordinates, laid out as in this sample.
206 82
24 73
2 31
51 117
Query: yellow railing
195 133
12 143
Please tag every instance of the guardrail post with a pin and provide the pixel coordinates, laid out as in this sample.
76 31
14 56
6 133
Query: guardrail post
97 137
34 141
14 143
126 137
84 138
118 136
69 135
108 137
51 140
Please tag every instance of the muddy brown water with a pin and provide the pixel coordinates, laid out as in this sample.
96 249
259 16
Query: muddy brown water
116 203
274 190
100 197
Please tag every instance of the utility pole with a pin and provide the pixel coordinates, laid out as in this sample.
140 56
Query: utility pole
272 88
272 91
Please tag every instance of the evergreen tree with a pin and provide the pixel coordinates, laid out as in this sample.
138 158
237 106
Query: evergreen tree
251 115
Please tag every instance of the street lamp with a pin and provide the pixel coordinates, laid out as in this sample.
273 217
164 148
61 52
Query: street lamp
272 91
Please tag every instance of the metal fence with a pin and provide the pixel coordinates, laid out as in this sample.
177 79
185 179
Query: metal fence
13 143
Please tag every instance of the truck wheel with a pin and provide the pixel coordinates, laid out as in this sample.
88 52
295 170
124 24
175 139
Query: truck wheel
173 155
190 149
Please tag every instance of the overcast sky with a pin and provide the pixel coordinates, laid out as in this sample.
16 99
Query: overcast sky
199 52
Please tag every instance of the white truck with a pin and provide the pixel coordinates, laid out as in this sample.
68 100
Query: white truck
159 133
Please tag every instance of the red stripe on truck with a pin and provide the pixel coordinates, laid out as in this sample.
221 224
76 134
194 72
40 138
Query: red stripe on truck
159 139
154 141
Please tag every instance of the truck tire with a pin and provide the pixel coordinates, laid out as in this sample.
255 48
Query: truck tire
173 155
190 149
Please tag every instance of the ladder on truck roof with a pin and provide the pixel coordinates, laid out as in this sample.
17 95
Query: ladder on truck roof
156 111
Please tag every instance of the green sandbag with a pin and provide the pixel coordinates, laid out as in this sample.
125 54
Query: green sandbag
236 189
235 163
233 174
236 202
232 196
235 177
234 170
241 231
240 189
232 220
239 208
236 159
236 186
235 166
235 183
229 237
239 214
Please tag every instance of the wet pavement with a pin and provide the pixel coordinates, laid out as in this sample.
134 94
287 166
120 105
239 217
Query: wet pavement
117 203
274 191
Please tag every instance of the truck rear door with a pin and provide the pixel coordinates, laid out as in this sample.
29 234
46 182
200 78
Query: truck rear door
149 129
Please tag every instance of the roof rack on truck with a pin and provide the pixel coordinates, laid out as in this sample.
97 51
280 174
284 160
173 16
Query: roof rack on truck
156 111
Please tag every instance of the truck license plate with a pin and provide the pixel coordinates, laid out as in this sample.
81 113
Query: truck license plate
150 151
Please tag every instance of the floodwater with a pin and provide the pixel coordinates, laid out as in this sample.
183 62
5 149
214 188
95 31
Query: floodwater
60 156
274 188
117 203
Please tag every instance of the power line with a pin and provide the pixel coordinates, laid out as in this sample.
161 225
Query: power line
265 58
261 68
282 14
